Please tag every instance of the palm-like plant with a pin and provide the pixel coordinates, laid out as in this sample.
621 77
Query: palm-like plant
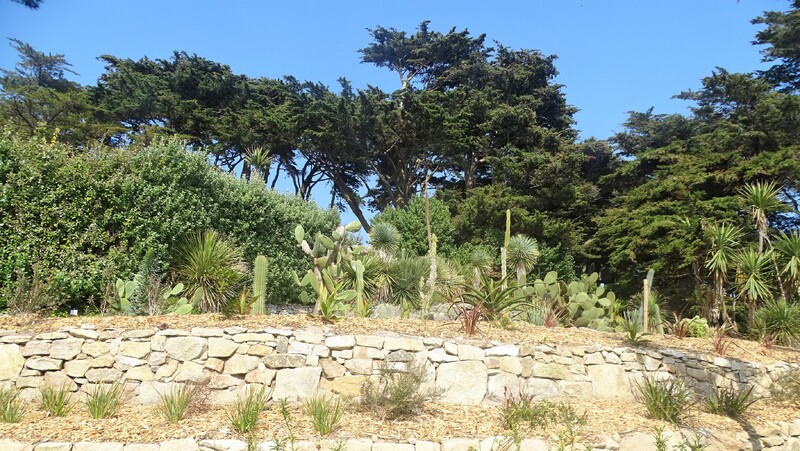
521 254
480 262
259 161
495 297
761 199
207 260
385 239
408 275
753 278
724 240
787 246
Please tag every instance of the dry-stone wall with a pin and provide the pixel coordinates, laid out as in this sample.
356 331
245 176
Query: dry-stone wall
301 363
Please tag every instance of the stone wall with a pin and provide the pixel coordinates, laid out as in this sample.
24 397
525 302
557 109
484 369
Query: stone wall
298 364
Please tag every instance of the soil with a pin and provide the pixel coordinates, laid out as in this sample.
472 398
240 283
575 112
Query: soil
514 332
143 424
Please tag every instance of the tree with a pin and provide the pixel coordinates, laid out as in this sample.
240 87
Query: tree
723 242
781 37
32 4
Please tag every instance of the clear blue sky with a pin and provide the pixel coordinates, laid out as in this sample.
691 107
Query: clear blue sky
614 55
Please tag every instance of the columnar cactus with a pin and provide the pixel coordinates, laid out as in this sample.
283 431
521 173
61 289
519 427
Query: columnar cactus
260 285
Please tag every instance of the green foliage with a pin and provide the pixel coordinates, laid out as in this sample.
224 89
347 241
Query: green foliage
11 408
115 205
632 327
56 401
522 253
493 299
397 394
244 417
325 413
779 320
385 238
124 291
104 400
260 285
36 294
730 402
173 405
667 400
540 415
410 222
696 327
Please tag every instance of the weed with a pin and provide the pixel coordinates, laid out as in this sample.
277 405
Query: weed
666 400
173 405
325 413
56 401
244 417
396 394
540 415
104 400
660 440
730 402
720 340
11 408
280 444
695 443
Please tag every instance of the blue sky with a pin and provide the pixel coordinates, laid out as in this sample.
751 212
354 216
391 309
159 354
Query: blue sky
614 55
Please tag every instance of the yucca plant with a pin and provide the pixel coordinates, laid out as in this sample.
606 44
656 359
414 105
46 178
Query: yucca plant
258 159
730 402
521 254
56 401
480 262
754 278
104 400
761 199
11 408
632 327
779 320
787 247
207 260
723 240
385 239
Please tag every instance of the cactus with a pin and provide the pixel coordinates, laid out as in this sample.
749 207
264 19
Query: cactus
125 290
183 306
586 304
361 303
259 285
326 254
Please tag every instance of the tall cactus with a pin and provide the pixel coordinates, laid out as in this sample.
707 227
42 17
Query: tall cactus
260 285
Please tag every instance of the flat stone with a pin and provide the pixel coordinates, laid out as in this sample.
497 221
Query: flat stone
404 343
313 335
277 331
186 444
263 377
610 381
541 389
594 358
135 349
140 373
167 370
277 361
43 364
222 445
66 349
11 445
468 352
259 350
551 371
332 369
344 386
53 446
423 445
172 333
439 355
353 444
207 332
85 333
500 385
139 333
124 363
399 356
221 381
36 347
190 371
215 364
15 339
460 444
76 368
51 336
103 375
185 348
359 366
150 392
59 379
370 341
510 365
503 350
296 383
637 441
28 382
533 444
299 347
95 348
11 361
241 364
98 446
340 342
221 347
462 382
260 338
104 361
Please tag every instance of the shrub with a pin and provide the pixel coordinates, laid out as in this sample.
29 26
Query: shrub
325 413
11 408
779 320
173 405
697 327
397 394
244 417
410 222
730 402
56 401
666 400
116 204
104 400
541 415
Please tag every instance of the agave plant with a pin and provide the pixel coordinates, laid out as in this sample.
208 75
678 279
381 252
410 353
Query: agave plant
753 278
787 247
206 260
494 298
723 240
521 254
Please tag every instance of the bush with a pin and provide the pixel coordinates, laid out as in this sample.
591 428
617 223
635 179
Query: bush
56 401
244 417
104 400
116 204
696 327
11 408
780 321
666 400
396 394
730 402
325 413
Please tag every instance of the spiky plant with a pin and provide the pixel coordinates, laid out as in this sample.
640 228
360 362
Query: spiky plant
521 254
259 161
761 199
779 320
753 278
208 260
723 240
480 262
787 246
385 239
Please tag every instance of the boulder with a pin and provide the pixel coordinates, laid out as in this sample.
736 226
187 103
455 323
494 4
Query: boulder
296 383
11 361
462 382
